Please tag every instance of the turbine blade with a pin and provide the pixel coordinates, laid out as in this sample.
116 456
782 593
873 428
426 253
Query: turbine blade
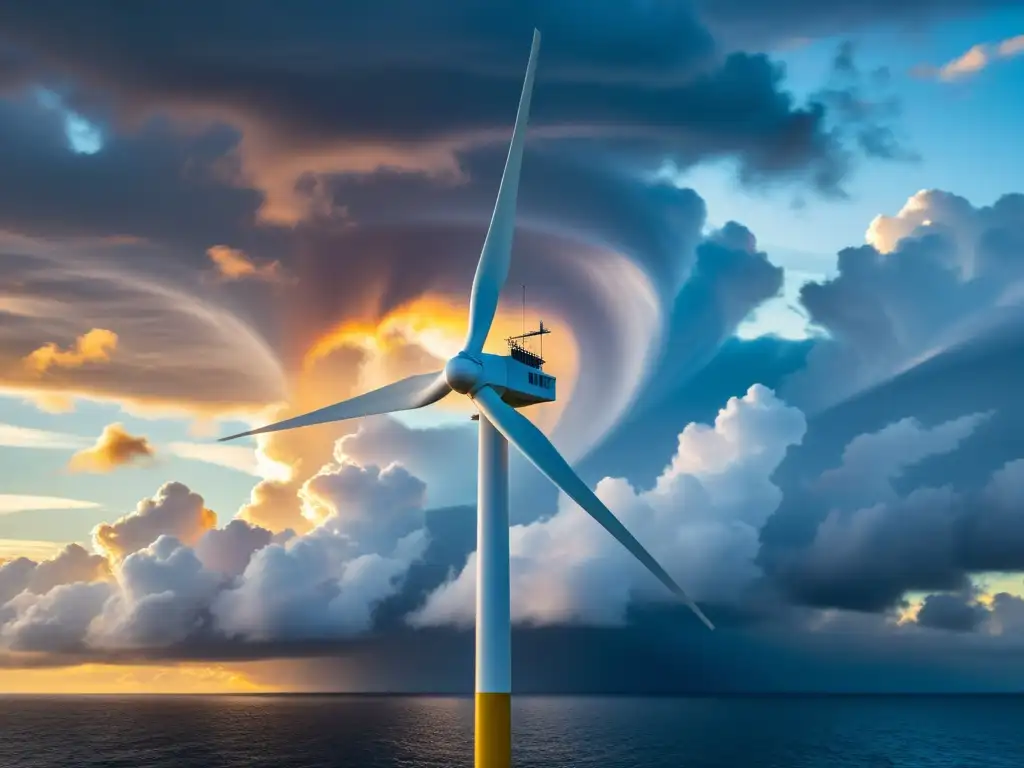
404 395
538 449
492 269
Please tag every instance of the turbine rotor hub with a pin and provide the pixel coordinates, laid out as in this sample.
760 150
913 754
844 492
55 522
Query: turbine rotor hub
463 373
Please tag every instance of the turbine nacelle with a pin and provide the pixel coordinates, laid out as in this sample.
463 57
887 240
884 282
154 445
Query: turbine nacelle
463 373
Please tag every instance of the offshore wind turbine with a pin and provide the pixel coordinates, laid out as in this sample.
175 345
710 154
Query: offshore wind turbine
497 385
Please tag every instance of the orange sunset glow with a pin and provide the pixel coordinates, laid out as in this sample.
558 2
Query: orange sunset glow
136 679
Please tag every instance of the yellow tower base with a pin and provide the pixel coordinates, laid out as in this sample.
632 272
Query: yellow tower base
493 748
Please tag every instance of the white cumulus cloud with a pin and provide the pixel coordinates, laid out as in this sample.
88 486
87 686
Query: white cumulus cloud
167 576
700 520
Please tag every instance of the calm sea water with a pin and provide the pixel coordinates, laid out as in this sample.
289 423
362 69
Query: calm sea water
415 732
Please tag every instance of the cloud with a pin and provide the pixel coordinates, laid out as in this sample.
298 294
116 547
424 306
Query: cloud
274 502
14 577
700 520
743 22
233 264
72 564
429 454
312 589
237 457
166 577
932 277
56 621
328 581
364 502
974 60
872 461
228 550
951 612
972 613
597 90
13 436
173 511
610 216
116 200
867 560
96 346
14 502
1012 46
68 566
859 103
1007 617
729 278
12 549
875 544
210 368
114 448
177 350
933 211
163 589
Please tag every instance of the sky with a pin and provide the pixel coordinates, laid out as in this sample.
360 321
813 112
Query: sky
780 250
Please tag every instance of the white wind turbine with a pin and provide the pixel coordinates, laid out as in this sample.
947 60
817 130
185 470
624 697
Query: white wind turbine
497 385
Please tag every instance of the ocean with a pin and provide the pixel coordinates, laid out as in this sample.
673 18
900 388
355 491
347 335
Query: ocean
421 731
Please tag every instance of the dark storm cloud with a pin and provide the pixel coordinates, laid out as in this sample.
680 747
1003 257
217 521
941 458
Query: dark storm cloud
928 524
923 323
654 654
588 197
156 183
287 91
935 275
730 278
863 544
317 84
309 38
656 225
956 612
595 39
170 193
867 560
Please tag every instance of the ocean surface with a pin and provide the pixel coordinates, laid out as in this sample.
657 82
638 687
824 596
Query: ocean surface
415 732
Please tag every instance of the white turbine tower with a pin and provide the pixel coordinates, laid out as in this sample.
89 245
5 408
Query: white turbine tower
497 385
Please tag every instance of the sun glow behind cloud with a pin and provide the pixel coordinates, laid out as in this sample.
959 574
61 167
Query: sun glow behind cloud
435 327
431 322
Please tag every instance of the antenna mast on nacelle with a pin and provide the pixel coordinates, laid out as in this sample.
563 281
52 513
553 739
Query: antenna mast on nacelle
517 344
